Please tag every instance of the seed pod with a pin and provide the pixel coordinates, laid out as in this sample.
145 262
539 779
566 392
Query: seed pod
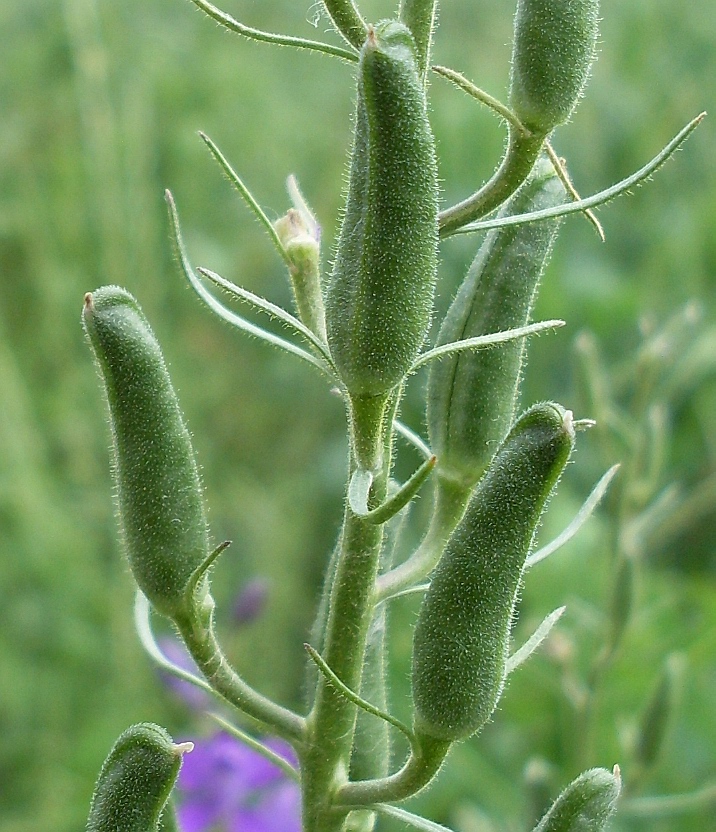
379 300
159 494
135 781
554 44
586 805
657 716
462 634
472 394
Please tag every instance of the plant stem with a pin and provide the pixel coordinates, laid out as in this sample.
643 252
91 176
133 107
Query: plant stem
422 765
206 652
450 501
331 723
521 154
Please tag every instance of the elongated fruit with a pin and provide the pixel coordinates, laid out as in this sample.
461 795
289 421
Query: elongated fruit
379 299
472 394
554 44
159 493
462 634
135 781
586 805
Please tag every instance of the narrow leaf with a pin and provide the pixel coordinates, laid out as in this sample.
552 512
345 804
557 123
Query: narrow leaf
257 746
413 438
224 313
534 641
247 196
353 697
597 199
409 818
402 496
485 341
143 626
269 37
584 513
269 308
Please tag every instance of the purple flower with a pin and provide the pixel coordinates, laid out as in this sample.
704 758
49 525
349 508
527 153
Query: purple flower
250 601
225 786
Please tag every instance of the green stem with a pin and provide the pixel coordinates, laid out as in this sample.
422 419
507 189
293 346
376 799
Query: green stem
348 21
206 652
450 501
422 765
331 723
522 152
419 17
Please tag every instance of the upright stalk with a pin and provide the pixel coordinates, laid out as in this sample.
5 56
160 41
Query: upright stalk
331 722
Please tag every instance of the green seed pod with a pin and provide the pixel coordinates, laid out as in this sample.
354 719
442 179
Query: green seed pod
658 715
159 493
586 805
379 300
462 633
472 394
135 781
554 45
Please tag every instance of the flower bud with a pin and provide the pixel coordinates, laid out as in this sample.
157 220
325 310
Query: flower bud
379 300
135 781
159 494
472 393
462 635
300 236
586 805
553 50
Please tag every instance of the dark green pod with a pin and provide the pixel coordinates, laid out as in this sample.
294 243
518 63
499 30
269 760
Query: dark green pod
586 805
462 633
159 493
135 781
554 45
379 300
472 394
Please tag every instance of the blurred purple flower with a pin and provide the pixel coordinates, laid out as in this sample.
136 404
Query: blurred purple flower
177 654
250 601
225 786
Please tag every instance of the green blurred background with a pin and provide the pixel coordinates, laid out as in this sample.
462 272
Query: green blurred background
100 104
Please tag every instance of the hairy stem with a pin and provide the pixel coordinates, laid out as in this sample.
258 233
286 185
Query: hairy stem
331 723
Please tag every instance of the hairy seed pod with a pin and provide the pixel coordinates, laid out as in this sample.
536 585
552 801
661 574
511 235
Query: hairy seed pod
554 45
462 633
472 394
586 805
135 781
379 300
159 493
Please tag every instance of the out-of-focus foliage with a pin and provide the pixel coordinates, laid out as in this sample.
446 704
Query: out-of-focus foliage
100 106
